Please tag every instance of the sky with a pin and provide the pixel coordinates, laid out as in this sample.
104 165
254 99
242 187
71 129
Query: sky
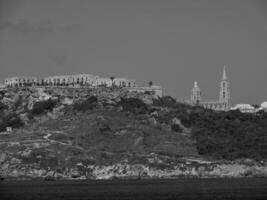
172 43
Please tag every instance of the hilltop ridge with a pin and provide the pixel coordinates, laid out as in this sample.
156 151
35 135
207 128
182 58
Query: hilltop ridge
102 133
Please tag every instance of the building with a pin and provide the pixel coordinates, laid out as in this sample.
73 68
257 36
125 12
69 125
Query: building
262 107
69 80
124 82
223 104
82 80
120 82
244 108
153 90
65 80
20 81
195 94
103 82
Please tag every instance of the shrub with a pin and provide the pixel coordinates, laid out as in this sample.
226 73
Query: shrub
176 128
230 135
166 101
42 106
18 102
3 106
134 105
10 121
88 104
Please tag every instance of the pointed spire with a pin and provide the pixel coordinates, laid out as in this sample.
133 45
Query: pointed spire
224 77
195 84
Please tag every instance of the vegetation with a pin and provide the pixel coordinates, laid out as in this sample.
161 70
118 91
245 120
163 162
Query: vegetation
220 135
11 120
42 106
3 106
230 135
88 104
166 101
176 128
134 105
112 78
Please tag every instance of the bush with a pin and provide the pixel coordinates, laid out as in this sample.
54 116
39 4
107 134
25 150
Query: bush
166 101
18 102
176 128
134 105
88 104
42 106
10 121
230 135
3 106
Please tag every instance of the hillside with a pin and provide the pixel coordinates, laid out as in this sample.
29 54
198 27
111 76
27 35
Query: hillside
108 132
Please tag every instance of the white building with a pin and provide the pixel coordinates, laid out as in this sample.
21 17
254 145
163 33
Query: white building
124 82
20 81
244 108
103 82
120 82
264 105
80 79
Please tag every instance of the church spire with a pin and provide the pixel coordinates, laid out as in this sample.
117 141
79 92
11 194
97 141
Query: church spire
195 84
225 90
224 77
196 94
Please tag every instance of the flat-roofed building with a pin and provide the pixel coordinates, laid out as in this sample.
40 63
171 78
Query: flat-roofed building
20 81
124 82
104 82
78 79
244 108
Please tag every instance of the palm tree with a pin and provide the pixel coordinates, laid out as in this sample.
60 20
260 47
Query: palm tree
150 83
112 80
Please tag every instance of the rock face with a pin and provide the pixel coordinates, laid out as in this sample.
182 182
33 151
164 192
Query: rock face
153 169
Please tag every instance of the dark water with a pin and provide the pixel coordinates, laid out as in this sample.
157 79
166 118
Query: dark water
243 188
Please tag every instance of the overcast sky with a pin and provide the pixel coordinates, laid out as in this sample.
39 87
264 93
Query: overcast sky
172 43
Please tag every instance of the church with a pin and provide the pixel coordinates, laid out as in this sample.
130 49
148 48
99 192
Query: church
223 104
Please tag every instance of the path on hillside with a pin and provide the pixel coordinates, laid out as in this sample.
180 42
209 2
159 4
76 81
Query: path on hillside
47 137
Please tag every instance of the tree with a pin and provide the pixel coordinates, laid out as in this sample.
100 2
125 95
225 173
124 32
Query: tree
112 80
150 83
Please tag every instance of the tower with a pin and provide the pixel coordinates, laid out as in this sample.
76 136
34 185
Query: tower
196 94
225 91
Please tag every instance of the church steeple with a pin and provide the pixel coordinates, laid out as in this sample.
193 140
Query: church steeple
225 90
224 77
196 94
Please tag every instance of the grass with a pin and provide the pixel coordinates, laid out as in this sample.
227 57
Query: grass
86 142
